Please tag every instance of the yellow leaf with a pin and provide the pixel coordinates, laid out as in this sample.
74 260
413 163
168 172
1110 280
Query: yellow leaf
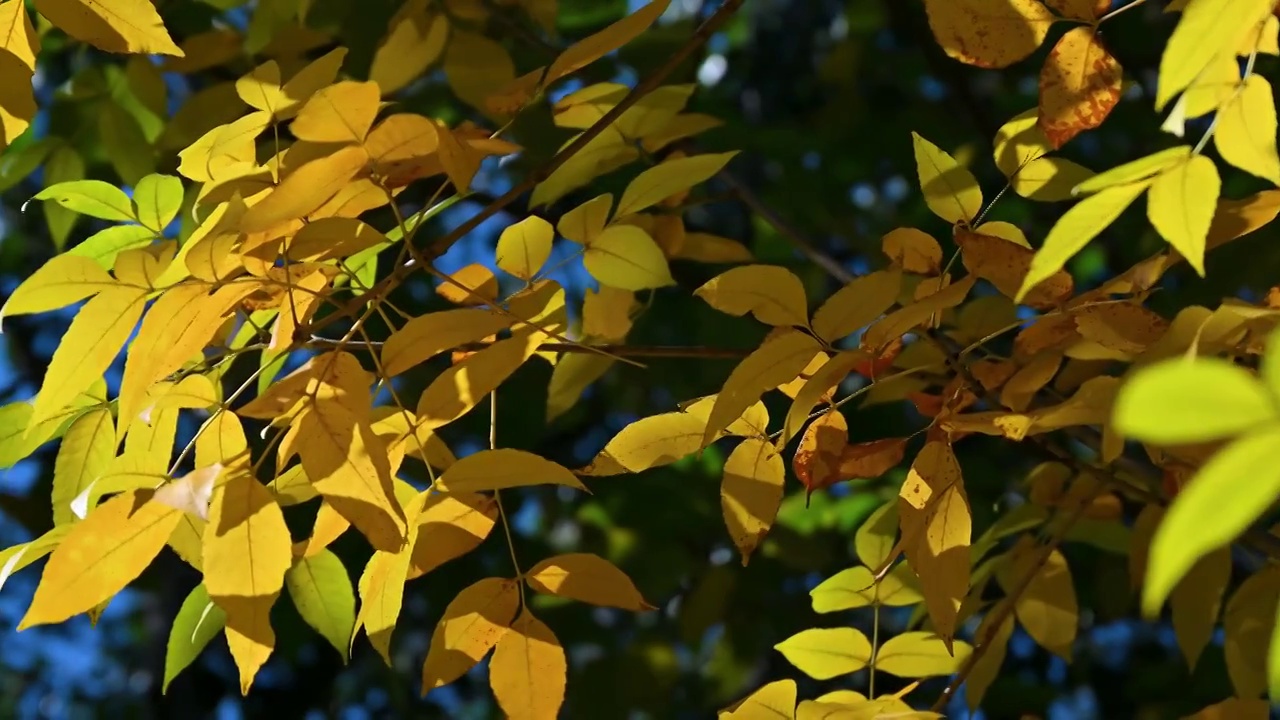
1020 141
950 190
348 465
1196 600
1234 709
504 468
771 702
476 67
382 587
987 667
751 493
913 250
825 378
99 556
856 305
583 223
86 450
708 248
988 33
117 26
306 189
321 590
457 390
1198 522
626 257
415 39
662 439
87 349
249 634
426 336
1079 85
1005 264
920 654
340 113
1050 179
586 578
450 526
779 360
1082 223
19 36
1206 28
602 154
824 653
1246 131
523 248
1134 171
595 46
774 295
893 326
1249 622
329 526
606 313
875 537
528 671
247 547
1084 10
1181 203
936 530
1047 608
669 178
857 587
62 281
472 624
572 375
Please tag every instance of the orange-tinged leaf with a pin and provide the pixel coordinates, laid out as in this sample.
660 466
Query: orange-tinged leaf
99 556
586 578
348 465
450 526
915 251
426 336
460 388
87 349
772 294
62 281
817 457
1181 205
870 459
472 624
832 372
1084 10
751 493
504 468
950 190
989 33
857 304
1005 265
626 257
306 189
523 248
595 46
1079 85
117 26
528 671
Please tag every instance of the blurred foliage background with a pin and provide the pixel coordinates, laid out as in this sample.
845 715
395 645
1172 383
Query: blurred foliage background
820 96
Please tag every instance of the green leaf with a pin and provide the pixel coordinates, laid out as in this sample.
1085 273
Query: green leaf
1236 486
321 590
157 199
104 246
198 621
1186 401
94 198
1076 228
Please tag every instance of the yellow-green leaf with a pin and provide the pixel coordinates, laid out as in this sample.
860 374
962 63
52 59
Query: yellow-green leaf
1186 401
1075 229
1205 30
920 654
1134 170
321 590
523 248
774 295
199 620
529 670
94 198
1181 205
950 190
668 178
856 587
1245 134
504 468
87 449
1199 522
62 281
626 257
824 653
157 199
100 556
875 537
586 578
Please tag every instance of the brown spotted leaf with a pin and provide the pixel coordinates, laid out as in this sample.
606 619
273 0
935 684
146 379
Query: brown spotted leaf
988 33
1005 264
1079 85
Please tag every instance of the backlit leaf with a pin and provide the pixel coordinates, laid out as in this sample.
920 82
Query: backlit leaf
595 46
94 198
771 702
428 335
1245 135
988 33
950 190
472 624
504 468
772 294
1181 204
523 248
1204 30
1179 401
780 359
342 112
88 447
62 281
920 654
583 223
1079 85
1135 170
157 199
751 493
118 26
668 178
626 257
587 578
824 653
857 587
1047 608
450 526
528 670
856 305
199 620
321 590
915 251
415 39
